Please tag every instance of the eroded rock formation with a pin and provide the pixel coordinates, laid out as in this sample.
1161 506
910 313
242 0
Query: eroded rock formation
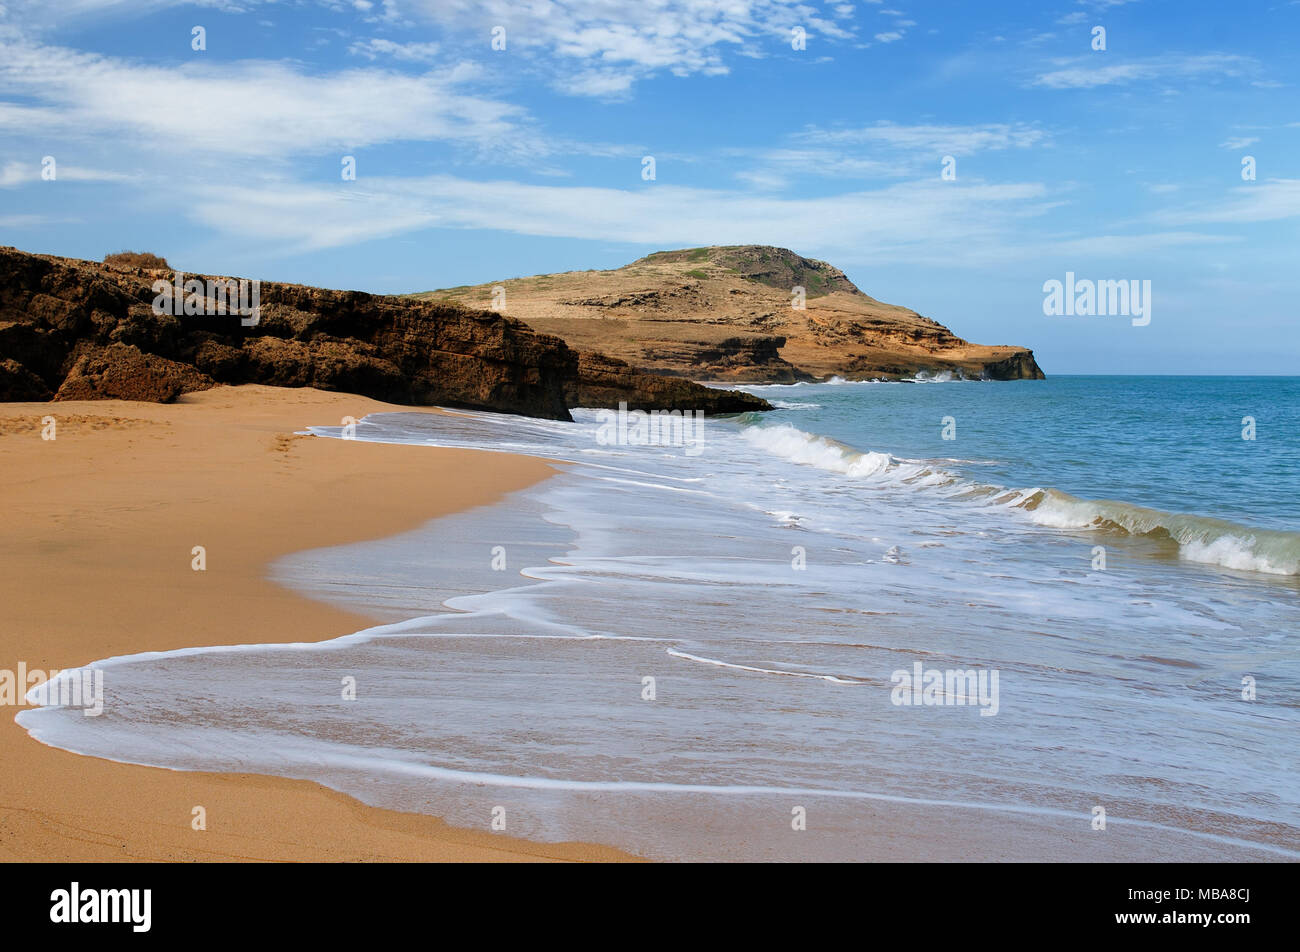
73 329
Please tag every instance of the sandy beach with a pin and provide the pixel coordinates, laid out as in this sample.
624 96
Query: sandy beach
95 561
97 538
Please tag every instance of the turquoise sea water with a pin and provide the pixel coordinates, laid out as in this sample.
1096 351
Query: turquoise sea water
1170 443
1110 548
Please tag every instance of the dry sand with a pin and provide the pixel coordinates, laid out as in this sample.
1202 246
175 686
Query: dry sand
96 531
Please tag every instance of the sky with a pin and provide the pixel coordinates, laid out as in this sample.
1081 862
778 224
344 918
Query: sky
951 156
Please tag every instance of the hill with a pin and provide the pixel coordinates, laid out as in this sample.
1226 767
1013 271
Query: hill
724 313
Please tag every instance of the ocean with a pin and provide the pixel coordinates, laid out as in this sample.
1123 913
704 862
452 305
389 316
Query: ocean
931 619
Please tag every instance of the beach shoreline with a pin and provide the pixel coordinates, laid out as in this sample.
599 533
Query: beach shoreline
97 561
97 556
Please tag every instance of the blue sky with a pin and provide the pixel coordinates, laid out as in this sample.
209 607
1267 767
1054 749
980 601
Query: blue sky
476 164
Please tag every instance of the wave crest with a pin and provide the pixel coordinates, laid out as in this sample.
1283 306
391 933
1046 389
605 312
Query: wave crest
1199 538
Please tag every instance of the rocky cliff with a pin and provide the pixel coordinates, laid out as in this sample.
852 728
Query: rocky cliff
725 313
73 329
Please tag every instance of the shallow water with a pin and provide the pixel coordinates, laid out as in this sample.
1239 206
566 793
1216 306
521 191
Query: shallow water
773 581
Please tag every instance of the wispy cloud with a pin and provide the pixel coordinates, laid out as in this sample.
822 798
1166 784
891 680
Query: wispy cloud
17 173
933 139
27 221
1106 246
379 48
915 220
883 151
38 14
1086 73
1100 6
823 163
14 174
273 108
761 179
598 48
1273 200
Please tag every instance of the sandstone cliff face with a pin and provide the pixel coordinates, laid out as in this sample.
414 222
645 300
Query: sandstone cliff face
73 330
124 372
724 313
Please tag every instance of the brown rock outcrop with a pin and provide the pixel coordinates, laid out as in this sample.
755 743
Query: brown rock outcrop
83 330
18 384
606 381
124 372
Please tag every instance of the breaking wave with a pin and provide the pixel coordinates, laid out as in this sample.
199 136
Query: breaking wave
1199 538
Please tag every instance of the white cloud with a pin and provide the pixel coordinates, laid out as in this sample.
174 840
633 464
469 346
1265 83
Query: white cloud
17 173
377 48
13 174
600 48
41 13
1082 77
766 181
1102 246
1274 200
26 221
251 108
915 220
1077 75
1238 142
827 163
891 37
584 47
933 139
74 173
597 83
882 151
